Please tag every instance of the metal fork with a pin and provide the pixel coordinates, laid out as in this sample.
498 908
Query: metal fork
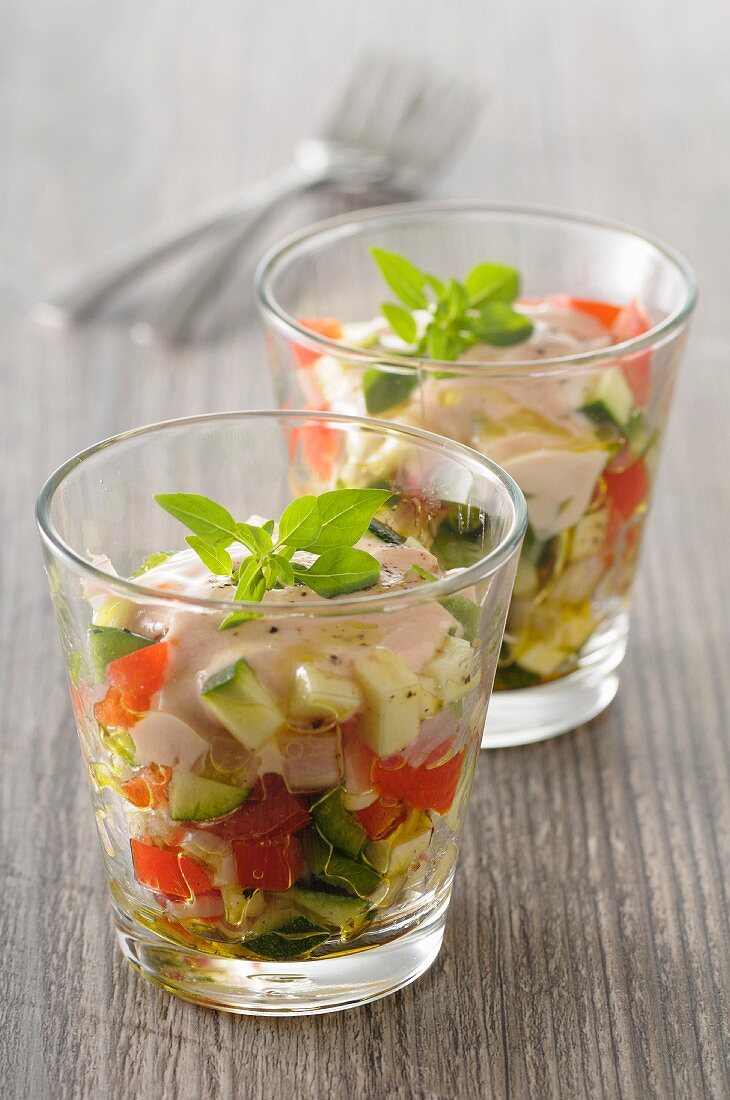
393 126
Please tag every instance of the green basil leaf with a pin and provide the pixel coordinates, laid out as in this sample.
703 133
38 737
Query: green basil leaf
339 571
401 321
216 558
204 517
491 283
344 516
300 522
277 570
385 389
255 539
500 325
251 584
404 278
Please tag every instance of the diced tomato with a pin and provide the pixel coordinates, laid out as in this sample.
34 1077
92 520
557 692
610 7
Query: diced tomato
632 321
148 788
167 871
139 675
428 787
603 312
381 817
111 711
627 489
319 446
268 864
323 326
269 812
358 759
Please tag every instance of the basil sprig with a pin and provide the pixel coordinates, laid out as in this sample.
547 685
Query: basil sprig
327 525
461 314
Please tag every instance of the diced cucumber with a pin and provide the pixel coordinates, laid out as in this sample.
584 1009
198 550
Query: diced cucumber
194 798
639 434
338 825
394 855
465 611
385 533
609 400
589 534
108 643
331 908
353 875
318 694
542 658
392 695
291 941
513 678
242 705
115 611
527 579
452 672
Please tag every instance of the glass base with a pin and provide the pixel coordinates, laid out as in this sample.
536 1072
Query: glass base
263 988
536 713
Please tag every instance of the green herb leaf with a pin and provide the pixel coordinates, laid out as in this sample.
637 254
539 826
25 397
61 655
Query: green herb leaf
345 515
339 571
404 278
216 558
300 522
255 539
401 321
151 561
205 518
251 584
277 570
492 282
385 389
500 325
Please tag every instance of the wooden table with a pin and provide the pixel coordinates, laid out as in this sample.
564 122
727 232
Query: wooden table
587 947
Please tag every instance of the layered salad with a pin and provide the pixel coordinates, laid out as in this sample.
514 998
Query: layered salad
278 783
581 444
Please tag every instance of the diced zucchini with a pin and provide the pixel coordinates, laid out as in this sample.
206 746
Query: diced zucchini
452 672
385 533
394 855
392 695
333 909
338 825
109 643
194 798
465 611
640 435
355 876
609 400
589 534
115 611
242 705
542 658
318 694
526 580
293 940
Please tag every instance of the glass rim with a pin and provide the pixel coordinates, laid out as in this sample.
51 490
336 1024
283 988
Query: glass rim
350 223
487 566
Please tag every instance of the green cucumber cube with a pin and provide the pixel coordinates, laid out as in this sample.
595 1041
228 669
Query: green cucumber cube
242 705
194 798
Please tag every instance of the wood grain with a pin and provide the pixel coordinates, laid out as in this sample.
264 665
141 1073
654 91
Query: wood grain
587 952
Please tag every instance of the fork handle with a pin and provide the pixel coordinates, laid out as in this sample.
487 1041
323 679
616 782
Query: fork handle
82 298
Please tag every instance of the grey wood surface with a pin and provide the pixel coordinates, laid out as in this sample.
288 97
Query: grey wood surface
587 949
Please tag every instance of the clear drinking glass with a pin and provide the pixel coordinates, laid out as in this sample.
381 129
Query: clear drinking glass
262 857
588 497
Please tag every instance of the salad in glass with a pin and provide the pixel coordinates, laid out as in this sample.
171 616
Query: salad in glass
567 391
280 721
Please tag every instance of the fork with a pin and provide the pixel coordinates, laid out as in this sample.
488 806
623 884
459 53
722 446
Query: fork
393 126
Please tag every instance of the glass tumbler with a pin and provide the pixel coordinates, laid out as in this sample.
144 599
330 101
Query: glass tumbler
279 802
587 475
